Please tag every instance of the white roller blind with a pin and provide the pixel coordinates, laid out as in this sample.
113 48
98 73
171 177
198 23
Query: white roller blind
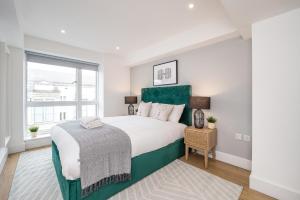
60 61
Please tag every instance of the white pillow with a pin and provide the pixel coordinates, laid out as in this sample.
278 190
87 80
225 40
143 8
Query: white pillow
154 110
164 111
176 113
144 109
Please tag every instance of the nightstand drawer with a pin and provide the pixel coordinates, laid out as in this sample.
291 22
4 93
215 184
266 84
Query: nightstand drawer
196 139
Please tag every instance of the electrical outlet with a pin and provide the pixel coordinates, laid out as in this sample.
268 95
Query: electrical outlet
246 138
238 136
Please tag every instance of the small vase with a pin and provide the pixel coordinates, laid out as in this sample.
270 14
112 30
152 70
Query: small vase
211 125
33 134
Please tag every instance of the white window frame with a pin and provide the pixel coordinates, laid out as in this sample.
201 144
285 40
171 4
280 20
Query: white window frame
78 103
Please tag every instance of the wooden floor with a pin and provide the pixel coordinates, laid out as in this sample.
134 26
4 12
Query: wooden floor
223 170
228 172
7 175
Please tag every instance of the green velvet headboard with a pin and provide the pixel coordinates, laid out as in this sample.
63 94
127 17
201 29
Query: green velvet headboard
171 95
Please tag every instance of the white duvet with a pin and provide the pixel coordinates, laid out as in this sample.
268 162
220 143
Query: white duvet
146 134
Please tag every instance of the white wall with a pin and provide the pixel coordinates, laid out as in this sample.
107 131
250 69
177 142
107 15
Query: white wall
116 85
276 106
223 72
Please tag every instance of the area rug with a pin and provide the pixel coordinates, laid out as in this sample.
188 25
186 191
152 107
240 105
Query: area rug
35 179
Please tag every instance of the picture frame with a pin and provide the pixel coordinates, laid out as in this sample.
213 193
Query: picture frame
165 73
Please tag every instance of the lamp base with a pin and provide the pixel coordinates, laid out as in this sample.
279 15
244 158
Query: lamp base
130 109
199 118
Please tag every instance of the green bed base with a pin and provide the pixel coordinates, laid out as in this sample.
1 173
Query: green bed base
141 166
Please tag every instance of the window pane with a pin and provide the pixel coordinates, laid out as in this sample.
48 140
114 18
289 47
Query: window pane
89 111
47 117
89 84
50 82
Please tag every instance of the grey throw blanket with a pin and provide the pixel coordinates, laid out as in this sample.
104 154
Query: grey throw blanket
105 155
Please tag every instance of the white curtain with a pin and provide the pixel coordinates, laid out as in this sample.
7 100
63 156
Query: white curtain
4 132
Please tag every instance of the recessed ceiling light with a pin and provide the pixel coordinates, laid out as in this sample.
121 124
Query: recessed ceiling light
63 31
191 5
117 48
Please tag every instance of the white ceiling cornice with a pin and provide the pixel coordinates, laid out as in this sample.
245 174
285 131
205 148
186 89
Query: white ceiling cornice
198 37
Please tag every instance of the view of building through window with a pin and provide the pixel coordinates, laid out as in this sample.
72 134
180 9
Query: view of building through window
58 93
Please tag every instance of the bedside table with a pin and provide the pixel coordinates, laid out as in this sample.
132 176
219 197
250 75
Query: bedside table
200 139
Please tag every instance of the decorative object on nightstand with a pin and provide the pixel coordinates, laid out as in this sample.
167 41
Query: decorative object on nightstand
130 100
211 122
200 139
199 103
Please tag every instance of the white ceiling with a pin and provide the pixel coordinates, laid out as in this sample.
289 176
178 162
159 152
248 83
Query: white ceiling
245 12
10 31
144 29
104 24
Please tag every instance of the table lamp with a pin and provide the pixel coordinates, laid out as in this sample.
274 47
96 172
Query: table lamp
197 102
130 100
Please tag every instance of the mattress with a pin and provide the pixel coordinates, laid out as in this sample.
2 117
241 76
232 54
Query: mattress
146 135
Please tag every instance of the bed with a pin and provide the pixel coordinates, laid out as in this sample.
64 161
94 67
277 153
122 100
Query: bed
142 164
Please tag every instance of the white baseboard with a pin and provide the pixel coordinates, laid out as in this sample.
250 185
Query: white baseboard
232 159
16 148
38 142
272 189
3 158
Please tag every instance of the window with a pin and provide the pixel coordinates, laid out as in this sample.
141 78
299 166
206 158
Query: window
59 89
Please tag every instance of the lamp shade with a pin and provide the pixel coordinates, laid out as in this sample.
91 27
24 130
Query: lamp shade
130 99
197 102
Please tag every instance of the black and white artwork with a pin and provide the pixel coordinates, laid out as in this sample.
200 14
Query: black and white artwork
165 73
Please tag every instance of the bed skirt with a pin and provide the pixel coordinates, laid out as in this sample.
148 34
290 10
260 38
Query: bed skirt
141 166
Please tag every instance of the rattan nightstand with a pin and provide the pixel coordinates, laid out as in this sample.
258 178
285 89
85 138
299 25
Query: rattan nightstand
200 139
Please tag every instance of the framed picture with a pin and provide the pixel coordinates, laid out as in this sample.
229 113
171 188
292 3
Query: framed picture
165 73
